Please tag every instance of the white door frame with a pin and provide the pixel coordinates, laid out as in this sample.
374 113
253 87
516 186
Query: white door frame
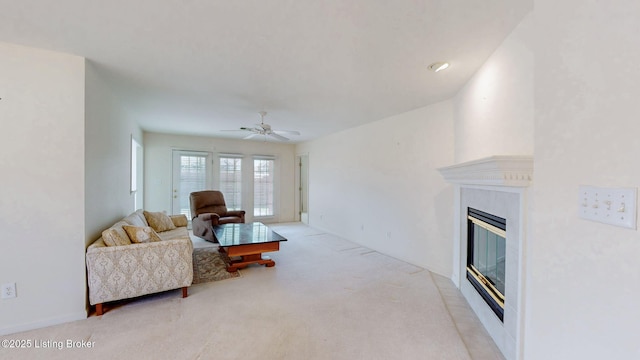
302 188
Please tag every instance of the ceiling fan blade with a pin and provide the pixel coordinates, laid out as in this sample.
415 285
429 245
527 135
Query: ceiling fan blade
243 129
250 136
289 132
279 137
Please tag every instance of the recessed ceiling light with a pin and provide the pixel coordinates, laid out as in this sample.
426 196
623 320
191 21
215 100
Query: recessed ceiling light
438 66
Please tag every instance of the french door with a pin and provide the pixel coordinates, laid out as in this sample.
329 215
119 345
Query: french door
192 171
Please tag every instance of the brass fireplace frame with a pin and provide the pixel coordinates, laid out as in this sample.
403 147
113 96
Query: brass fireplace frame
485 287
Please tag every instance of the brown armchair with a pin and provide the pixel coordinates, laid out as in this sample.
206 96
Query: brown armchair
208 209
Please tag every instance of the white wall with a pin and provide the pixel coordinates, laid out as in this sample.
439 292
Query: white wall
377 185
584 276
108 156
494 110
41 187
158 150
494 115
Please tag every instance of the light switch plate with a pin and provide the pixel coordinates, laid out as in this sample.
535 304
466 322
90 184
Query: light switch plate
8 291
614 206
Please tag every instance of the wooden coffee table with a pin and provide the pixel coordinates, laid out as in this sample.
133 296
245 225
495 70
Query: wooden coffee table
248 241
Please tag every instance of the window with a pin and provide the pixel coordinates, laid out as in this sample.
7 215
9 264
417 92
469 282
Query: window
263 185
136 173
231 181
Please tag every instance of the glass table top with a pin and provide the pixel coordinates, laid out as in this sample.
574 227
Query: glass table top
244 234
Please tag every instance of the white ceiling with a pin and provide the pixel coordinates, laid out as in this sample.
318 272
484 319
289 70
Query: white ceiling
202 66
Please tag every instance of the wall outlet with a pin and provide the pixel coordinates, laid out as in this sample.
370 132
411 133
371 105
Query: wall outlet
9 290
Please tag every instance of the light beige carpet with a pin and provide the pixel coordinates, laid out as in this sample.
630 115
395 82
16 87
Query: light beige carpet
210 265
326 298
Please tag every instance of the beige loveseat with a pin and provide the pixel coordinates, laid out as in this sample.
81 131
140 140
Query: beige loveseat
127 270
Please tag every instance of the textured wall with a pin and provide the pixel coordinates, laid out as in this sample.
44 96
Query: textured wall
494 110
108 134
42 187
583 276
378 185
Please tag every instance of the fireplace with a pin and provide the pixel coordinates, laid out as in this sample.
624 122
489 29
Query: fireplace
498 186
486 252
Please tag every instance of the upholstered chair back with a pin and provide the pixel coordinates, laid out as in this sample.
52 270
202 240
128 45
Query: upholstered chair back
208 201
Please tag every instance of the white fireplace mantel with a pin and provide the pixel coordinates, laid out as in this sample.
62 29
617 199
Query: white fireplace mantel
498 185
516 171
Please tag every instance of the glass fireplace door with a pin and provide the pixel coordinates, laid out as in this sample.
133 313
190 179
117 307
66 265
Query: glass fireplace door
486 254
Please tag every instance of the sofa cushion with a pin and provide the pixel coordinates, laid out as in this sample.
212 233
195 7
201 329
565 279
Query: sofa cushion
141 234
159 221
115 235
180 232
179 220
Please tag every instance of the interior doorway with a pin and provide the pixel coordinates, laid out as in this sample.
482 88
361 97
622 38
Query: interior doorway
303 188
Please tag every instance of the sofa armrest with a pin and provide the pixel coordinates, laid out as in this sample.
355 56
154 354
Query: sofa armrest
179 220
207 217
120 272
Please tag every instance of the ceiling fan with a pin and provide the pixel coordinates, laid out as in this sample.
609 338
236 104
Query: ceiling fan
265 130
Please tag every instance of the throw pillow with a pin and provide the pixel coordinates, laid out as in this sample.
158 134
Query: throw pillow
141 234
179 220
116 236
135 219
159 221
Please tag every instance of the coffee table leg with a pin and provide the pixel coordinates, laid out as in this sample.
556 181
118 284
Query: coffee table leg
267 261
250 259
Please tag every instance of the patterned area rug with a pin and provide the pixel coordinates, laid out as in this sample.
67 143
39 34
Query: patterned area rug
210 265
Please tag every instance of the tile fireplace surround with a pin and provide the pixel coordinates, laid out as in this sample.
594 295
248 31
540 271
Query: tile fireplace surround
498 185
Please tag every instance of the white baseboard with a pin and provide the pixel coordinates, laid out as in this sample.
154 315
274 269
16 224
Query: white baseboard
441 272
43 323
